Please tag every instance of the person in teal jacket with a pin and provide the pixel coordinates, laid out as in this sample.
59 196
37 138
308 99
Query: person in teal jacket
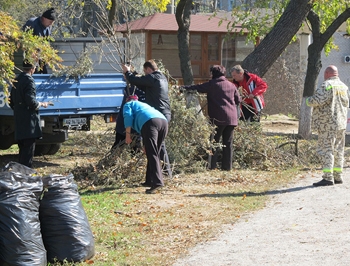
153 127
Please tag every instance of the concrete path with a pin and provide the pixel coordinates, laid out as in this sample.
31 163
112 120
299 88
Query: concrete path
301 225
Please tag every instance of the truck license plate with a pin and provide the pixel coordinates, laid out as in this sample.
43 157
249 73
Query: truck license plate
74 121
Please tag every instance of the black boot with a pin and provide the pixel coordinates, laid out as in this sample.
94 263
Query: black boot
323 183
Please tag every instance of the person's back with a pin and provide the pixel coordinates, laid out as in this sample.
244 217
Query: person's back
330 103
153 127
330 106
340 101
157 95
222 97
154 84
139 113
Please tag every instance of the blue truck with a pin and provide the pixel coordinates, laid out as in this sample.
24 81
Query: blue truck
75 102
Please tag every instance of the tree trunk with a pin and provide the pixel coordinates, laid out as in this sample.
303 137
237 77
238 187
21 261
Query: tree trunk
272 46
314 65
183 18
304 129
112 13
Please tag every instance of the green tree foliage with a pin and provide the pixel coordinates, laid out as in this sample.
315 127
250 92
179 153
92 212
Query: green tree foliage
22 10
262 16
279 35
328 11
15 13
323 17
160 4
269 21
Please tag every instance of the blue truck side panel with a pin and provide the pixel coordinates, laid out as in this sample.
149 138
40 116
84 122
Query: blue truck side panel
93 94
75 102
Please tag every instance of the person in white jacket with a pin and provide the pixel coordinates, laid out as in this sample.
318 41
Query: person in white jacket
330 105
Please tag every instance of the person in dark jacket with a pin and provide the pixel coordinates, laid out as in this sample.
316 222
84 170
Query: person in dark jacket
41 26
153 127
120 128
223 99
27 119
155 86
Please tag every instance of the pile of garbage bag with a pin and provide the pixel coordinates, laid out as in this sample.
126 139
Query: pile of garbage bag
41 218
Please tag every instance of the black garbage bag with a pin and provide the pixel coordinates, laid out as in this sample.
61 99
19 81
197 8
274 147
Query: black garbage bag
64 225
20 236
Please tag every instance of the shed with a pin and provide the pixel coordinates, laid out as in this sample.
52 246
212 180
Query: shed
155 37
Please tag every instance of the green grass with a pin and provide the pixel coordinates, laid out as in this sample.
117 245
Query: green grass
132 228
12 150
115 226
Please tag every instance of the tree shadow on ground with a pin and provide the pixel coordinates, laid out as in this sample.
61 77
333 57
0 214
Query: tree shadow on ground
6 158
89 192
253 194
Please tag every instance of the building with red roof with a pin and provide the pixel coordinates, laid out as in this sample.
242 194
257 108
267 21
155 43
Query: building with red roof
211 42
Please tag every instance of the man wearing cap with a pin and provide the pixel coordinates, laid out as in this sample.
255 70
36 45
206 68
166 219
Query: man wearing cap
27 120
41 26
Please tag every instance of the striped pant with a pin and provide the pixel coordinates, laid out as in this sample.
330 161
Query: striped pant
331 151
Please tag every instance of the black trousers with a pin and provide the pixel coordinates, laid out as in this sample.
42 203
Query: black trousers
153 134
119 138
26 151
164 154
226 132
249 114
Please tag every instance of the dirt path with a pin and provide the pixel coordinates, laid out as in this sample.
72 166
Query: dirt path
301 225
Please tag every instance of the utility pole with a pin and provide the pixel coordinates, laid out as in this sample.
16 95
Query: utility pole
171 7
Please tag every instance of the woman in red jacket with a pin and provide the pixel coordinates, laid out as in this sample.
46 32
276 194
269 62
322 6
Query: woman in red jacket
251 88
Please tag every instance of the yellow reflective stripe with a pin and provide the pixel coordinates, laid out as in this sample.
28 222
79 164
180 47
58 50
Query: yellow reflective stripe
327 170
339 170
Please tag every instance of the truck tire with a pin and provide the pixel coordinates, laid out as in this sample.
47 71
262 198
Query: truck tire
6 141
41 149
54 148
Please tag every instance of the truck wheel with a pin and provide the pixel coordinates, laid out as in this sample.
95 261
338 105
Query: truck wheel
6 141
54 148
41 149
